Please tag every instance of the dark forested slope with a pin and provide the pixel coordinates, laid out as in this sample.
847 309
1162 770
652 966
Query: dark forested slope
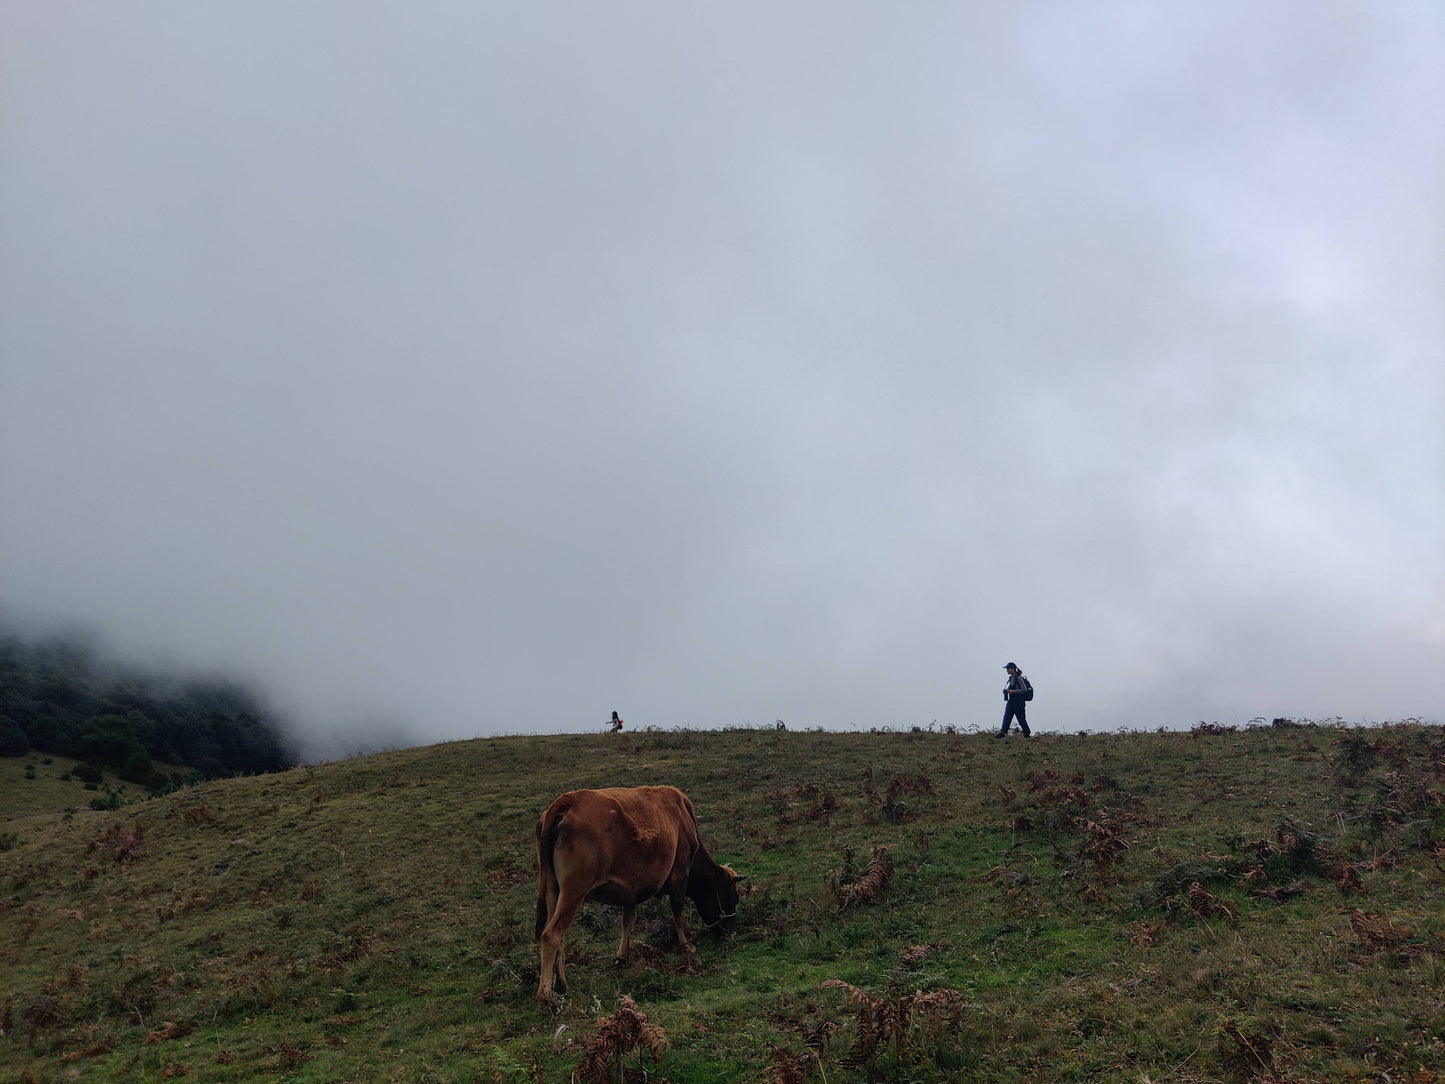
60 696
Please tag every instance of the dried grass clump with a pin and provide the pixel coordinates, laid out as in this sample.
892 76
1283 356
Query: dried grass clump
616 1036
873 883
1210 728
807 804
193 815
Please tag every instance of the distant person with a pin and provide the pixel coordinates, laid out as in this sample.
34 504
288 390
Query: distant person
616 723
1013 698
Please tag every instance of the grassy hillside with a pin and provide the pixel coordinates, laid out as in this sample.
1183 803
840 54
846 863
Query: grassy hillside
40 783
1262 904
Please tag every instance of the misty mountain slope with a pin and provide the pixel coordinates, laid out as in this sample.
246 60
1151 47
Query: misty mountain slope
920 905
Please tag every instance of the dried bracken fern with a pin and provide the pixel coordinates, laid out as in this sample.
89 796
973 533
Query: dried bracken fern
1205 906
123 845
1064 795
901 784
170 1030
617 1035
869 791
1386 859
1105 840
807 804
1244 1057
1347 878
1143 933
789 1068
1378 932
873 883
914 955
885 1021
45 1013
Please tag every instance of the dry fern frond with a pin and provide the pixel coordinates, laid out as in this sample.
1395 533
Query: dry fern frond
618 1034
1143 933
855 995
788 1068
1347 877
1207 906
1378 932
914 955
1248 1056
873 883
884 1021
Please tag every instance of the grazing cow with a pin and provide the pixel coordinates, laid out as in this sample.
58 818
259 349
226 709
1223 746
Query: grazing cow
623 846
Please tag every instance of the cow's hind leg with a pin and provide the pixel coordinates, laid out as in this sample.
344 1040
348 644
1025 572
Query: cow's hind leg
552 952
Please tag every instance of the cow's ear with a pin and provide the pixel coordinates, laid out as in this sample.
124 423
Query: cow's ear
739 878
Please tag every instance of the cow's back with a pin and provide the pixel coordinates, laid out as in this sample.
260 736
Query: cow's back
623 843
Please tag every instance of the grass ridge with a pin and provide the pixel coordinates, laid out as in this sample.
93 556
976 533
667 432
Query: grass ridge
1223 904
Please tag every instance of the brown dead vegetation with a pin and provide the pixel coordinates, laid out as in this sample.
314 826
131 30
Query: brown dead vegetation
119 844
1204 905
1244 1057
1378 932
891 1022
616 1036
873 883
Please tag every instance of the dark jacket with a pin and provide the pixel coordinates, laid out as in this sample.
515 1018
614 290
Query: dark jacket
1014 690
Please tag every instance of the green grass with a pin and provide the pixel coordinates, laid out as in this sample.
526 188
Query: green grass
34 784
371 919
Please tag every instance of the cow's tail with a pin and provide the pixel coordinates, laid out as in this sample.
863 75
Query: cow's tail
547 827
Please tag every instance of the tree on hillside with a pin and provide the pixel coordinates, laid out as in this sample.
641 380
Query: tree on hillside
13 740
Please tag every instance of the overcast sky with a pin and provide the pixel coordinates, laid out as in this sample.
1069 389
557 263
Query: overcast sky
459 369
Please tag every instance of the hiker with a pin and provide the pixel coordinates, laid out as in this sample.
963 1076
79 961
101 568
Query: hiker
1013 697
616 723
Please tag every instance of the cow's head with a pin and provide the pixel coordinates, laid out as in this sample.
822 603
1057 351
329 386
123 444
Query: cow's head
715 892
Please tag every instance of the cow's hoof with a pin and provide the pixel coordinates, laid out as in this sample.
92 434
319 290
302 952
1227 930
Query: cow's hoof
619 961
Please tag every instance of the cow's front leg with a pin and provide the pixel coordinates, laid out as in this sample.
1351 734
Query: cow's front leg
683 944
629 916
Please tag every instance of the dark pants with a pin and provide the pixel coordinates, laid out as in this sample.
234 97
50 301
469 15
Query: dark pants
1015 710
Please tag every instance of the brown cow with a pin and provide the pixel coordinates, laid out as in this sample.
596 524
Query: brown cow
623 846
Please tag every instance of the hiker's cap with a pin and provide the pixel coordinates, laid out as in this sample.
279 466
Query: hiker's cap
1009 666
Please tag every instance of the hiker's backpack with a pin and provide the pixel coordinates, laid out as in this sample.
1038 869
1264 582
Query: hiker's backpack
1028 687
